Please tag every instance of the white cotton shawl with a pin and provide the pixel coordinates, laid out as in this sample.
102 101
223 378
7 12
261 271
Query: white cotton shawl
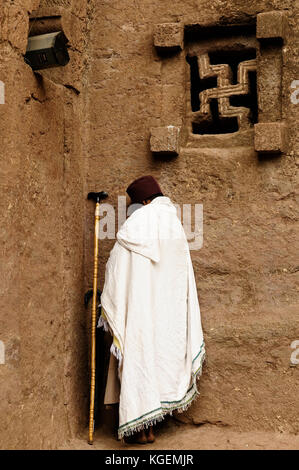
151 306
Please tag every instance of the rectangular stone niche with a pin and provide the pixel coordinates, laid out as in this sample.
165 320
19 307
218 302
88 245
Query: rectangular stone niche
231 78
221 82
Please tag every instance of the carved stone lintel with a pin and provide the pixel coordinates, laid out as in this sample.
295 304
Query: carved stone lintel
165 140
271 25
270 137
169 36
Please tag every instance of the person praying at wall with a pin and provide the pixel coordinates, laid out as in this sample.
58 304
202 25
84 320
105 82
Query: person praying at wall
150 306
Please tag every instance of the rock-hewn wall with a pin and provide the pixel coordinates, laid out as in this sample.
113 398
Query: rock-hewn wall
43 390
246 271
86 126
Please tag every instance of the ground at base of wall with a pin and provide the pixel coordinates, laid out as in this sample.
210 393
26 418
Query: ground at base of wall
190 437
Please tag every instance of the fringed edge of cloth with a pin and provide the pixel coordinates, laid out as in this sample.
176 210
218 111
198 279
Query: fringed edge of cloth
103 323
167 409
117 353
113 349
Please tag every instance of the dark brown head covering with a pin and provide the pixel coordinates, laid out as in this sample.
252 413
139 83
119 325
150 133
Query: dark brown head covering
143 188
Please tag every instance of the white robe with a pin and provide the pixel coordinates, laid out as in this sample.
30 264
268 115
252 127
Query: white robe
150 303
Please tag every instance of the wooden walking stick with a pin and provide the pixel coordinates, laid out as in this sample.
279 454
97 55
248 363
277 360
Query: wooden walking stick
97 197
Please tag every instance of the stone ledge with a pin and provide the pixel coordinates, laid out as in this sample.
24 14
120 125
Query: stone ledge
169 36
165 140
270 137
271 25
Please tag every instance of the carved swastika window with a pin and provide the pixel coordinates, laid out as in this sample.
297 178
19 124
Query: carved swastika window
223 96
229 72
222 85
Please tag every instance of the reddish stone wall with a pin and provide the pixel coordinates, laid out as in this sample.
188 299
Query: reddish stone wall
246 270
87 126
44 389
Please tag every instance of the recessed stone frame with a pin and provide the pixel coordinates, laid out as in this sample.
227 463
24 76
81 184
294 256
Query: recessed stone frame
231 82
270 131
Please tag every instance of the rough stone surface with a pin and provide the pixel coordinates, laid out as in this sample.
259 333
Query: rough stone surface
175 436
270 137
271 24
269 82
169 35
165 140
87 126
44 389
